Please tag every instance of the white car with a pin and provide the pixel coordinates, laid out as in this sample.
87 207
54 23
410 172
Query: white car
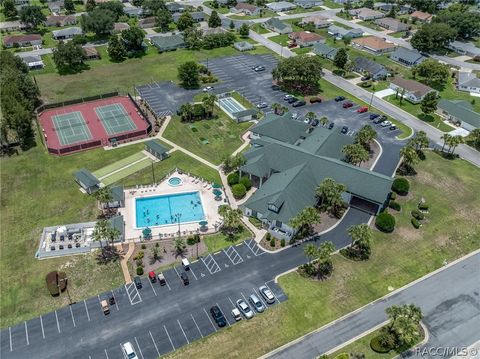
128 351
287 97
386 123
262 105
236 314
245 309
295 116
257 303
208 89
267 294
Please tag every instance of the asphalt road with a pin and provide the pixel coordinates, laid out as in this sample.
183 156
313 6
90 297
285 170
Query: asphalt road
449 301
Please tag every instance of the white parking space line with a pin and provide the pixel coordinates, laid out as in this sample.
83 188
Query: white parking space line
86 310
26 333
58 325
261 298
151 286
166 282
272 292
10 334
233 255
41 324
116 304
211 264
231 301
106 354
196 325
168 335
193 274
134 296
185 335
177 273
246 301
71 313
140 349
210 319
224 314
153 340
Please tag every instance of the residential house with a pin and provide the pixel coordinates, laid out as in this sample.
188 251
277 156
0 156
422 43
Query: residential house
33 62
175 7
306 38
197 16
12 26
168 43
281 6
91 53
133 11
120 26
56 6
468 81
325 51
212 31
317 20
366 14
374 69
339 32
399 9
464 48
67 33
412 91
243 46
22 40
373 44
246 9
421 16
278 26
61 20
459 112
289 159
147 22
407 57
391 24
308 4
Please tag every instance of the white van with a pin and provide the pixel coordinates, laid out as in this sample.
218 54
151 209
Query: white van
128 350
186 263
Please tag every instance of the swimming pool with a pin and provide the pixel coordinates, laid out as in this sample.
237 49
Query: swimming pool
175 181
161 210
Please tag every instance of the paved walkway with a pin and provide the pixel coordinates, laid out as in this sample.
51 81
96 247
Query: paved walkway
124 261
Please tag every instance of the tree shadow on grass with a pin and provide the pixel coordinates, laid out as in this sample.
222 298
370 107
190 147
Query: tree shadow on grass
107 255
74 70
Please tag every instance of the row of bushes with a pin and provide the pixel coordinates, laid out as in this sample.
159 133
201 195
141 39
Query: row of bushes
272 240
418 215
239 185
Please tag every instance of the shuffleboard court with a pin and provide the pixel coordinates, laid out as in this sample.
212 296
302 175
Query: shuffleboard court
115 119
230 105
127 171
71 128
119 164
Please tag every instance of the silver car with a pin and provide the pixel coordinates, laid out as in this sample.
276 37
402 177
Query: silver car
245 309
267 294
257 303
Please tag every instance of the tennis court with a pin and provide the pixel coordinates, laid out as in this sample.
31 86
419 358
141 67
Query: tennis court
230 105
71 128
115 119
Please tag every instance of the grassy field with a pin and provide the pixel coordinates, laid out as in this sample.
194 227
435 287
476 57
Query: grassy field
280 39
218 241
301 10
222 133
331 4
371 25
258 28
451 231
123 76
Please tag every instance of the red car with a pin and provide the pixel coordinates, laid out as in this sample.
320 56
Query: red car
347 105
362 109
152 276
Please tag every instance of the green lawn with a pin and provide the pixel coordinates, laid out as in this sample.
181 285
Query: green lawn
258 28
123 76
218 241
280 39
301 10
432 119
451 231
371 25
220 10
302 50
146 162
118 164
331 4
223 135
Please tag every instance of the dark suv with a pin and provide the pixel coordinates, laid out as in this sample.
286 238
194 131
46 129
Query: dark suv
184 278
218 316
138 282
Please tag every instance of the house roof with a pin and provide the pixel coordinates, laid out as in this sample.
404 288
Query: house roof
368 65
117 193
21 38
466 46
461 110
276 23
468 79
90 51
421 15
243 113
366 12
132 10
388 21
56 4
196 15
324 49
59 19
317 20
411 56
246 6
86 177
31 59
279 5
173 6
374 43
69 31
156 147
120 26
305 36
334 29
412 86
11 24
117 223
281 128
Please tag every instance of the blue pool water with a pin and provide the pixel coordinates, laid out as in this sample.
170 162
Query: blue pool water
160 210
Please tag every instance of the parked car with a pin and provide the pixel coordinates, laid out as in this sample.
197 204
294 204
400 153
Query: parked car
184 278
306 120
262 105
245 309
236 314
365 78
362 109
384 117
315 122
287 97
295 116
128 351
292 100
386 123
259 68
186 264
218 316
152 276
299 103
111 300
138 282
275 87
347 105
208 89
378 120
344 129
315 100
267 294
257 303
339 98
161 279
393 128
105 308
373 116
330 126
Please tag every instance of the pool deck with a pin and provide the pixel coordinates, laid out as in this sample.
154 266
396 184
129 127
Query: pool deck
189 184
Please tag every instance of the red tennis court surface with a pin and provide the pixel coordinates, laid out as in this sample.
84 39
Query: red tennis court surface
86 125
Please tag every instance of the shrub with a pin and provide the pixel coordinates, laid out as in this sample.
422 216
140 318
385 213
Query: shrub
232 178
143 246
282 242
268 236
139 270
139 255
272 242
385 222
394 205
343 356
239 190
415 223
423 207
401 186
246 182
191 241
376 346
365 84
393 195
417 214
139 262
52 284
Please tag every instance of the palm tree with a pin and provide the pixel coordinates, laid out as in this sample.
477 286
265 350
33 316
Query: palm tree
365 136
186 112
355 154
276 107
401 96
112 234
208 101
304 220
310 252
324 121
103 195
100 231
455 141
179 245
156 256
420 140
310 116
446 139
361 234
410 156
231 219
330 194
404 321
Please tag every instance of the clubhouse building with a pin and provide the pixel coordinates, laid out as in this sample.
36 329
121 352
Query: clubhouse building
289 159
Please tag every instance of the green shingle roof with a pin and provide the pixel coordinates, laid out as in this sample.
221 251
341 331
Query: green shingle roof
462 110
168 42
117 193
86 178
281 128
156 147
